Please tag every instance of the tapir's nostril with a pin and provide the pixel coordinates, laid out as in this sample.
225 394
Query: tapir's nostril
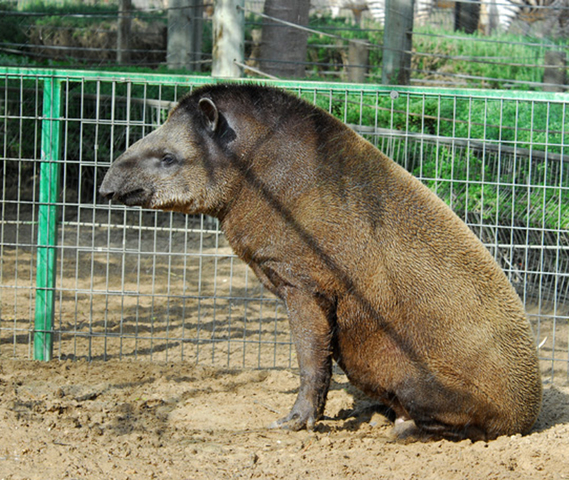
106 194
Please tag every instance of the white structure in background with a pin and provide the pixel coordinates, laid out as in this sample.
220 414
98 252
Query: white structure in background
423 9
502 12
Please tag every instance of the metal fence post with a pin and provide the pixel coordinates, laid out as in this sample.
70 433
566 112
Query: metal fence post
47 220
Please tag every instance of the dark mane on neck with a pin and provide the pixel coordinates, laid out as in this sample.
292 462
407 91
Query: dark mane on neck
264 100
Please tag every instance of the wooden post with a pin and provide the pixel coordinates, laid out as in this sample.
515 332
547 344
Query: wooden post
185 34
489 18
284 47
123 32
397 42
228 38
358 55
494 23
554 72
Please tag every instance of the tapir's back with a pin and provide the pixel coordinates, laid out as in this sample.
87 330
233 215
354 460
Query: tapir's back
431 288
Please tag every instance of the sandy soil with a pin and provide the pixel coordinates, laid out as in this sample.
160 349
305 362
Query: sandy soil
139 420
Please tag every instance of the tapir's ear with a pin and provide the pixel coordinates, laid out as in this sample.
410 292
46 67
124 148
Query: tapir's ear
210 112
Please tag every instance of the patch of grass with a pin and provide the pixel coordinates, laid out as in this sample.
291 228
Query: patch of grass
476 58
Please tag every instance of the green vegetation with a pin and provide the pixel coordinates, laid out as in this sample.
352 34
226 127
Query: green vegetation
39 29
329 53
18 25
500 187
10 27
508 58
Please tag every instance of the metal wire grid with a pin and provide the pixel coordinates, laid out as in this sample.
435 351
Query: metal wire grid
439 23
130 283
162 286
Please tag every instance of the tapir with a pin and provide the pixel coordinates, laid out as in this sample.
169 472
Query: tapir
376 272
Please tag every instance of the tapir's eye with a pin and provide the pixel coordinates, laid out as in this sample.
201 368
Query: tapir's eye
168 159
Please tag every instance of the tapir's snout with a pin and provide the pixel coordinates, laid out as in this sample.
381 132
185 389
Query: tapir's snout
106 192
131 177
121 185
131 196
109 187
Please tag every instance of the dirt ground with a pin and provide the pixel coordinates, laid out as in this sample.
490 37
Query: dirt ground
150 412
140 420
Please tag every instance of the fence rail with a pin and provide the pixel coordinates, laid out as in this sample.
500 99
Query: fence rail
85 279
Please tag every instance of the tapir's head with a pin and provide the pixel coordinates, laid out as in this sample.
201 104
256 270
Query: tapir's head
189 164
219 139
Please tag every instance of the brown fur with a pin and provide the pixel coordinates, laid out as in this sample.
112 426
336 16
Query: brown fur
375 271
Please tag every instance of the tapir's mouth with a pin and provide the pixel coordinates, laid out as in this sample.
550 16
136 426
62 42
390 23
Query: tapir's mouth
138 197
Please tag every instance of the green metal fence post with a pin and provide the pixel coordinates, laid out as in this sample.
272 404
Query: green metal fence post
47 220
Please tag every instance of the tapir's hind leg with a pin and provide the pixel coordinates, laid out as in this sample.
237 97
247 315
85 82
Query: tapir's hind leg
443 412
423 428
424 407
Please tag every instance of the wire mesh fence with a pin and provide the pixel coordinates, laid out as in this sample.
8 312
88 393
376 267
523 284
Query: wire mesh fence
512 53
134 283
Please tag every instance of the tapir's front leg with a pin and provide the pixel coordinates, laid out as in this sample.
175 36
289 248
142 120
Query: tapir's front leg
310 323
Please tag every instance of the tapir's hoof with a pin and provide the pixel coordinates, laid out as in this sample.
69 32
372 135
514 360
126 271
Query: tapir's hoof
295 421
